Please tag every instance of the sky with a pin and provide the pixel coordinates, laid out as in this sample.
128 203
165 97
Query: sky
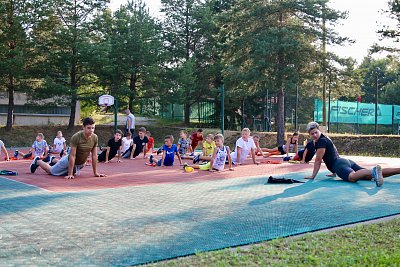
365 18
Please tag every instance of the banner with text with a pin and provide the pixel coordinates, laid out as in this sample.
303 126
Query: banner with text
355 112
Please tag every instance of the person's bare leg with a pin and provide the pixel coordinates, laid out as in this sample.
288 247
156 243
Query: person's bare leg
386 172
46 167
366 174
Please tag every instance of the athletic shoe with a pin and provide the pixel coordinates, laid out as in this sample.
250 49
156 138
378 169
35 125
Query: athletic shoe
51 163
34 165
151 159
191 154
16 154
159 150
62 153
196 159
46 159
185 165
377 175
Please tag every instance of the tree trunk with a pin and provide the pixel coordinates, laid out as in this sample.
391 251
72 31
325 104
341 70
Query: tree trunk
10 109
187 114
281 117
132 88
74 87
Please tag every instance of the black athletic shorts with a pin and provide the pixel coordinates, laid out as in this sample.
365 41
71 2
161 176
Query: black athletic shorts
280 149
343 167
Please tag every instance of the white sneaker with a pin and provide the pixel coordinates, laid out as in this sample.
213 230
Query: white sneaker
377 175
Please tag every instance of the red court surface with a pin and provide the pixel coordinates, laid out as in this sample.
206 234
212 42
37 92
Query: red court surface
136 173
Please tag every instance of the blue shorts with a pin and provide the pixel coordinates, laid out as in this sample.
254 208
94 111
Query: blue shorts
343 167
61 167
165 163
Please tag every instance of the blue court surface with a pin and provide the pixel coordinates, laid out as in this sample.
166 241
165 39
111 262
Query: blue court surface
140 224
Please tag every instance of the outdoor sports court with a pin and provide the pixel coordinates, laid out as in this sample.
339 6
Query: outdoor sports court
140 214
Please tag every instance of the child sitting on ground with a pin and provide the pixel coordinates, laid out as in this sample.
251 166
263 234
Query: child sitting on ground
4 150
113 148
127 142
218 159
169 151
291 145
208 149
139 145
59 145
305 155
195 138
150 144
259 151
183 144
244 146
39 148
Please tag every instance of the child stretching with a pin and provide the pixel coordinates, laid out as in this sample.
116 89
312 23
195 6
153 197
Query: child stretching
59 145
169 151
259 151
291 144
183 144
150 144
113 148
39 148
208 149
127 142
218 159
244 146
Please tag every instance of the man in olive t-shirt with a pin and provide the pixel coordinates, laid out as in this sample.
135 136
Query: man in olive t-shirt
82 143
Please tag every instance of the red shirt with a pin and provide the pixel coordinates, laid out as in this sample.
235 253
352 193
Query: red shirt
195 140
150 143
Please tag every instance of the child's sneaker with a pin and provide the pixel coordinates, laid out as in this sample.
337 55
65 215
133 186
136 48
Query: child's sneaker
377 175
191 154
46 159
151 159
159 150
51 163
185 165
34 165
16 154
196 159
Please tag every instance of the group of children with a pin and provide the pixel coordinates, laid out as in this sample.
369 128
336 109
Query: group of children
214 154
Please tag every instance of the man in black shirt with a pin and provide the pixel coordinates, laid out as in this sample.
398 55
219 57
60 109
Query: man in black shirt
139 144
346 169
113 147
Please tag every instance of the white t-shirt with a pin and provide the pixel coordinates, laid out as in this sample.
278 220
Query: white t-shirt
59 143
130 118
1 146
245 146
126 144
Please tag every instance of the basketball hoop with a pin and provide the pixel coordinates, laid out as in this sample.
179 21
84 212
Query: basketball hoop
106 100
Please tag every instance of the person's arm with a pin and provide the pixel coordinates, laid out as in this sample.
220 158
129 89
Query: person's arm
119 154
296 147
107 153
253 156
212 160
71 163
229 159
204 151
287 147
128 124
144 150
133 150
163 157
238 150
94 163
317 164
179 157
4 149
65 148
